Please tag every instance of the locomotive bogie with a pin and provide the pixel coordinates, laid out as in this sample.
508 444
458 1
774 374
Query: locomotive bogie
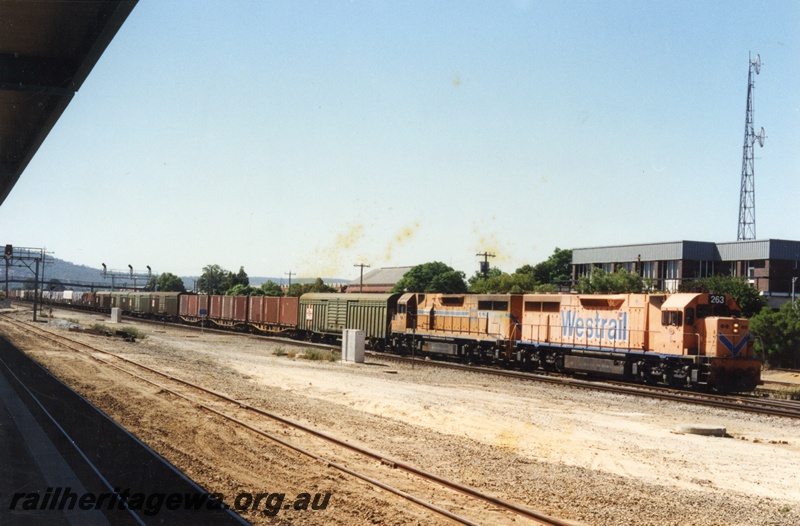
734 374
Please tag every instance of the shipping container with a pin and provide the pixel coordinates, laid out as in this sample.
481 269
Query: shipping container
272 313
192 307
234 311
215 307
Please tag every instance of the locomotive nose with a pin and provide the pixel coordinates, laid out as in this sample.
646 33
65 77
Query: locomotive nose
730 338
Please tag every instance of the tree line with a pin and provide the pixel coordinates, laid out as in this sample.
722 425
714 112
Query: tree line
439 277
217 280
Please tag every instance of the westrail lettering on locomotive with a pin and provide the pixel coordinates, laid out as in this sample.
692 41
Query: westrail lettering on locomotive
613 328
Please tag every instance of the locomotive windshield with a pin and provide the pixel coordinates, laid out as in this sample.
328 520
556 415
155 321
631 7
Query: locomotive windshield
723 311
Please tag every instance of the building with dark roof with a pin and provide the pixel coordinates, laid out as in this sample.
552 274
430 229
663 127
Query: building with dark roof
771 265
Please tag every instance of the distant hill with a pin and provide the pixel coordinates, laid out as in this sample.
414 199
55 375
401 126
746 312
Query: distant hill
73 276
56 269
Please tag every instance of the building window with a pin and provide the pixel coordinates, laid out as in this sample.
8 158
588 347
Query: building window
628 266
704 269
584 271
649 269
608 267
671 269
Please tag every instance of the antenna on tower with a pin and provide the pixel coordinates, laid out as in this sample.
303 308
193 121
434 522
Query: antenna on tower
747 194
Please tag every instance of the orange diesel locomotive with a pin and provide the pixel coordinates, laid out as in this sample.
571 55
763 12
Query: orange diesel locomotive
678 339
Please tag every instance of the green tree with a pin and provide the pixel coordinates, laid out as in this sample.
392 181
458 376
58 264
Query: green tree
432 277
298 289
240 290
166 282
483 284
295 290
214 280
748 297
777 334
558 267
240 278
618 282
319 286
270 288
499 282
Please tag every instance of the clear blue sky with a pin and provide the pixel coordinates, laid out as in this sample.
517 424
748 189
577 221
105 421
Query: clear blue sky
313 135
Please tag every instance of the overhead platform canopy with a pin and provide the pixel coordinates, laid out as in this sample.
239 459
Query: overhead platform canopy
47 50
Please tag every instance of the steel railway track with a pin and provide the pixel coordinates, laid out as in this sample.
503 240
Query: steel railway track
509 507
749 404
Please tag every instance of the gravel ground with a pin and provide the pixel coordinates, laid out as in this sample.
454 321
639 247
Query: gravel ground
579 455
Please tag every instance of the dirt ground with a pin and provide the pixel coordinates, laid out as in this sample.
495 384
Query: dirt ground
584 456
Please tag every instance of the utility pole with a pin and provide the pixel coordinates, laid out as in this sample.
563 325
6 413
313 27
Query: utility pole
361 284
485 263
290 274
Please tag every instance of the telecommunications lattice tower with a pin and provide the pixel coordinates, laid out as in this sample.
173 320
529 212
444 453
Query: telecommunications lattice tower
747 194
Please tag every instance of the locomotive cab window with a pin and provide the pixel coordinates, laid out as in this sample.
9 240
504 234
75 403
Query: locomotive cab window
671 318
690 316
722 311
717 306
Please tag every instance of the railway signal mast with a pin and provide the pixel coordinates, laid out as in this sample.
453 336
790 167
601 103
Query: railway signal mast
747 194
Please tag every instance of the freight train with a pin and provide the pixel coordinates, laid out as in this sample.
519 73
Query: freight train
682 340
